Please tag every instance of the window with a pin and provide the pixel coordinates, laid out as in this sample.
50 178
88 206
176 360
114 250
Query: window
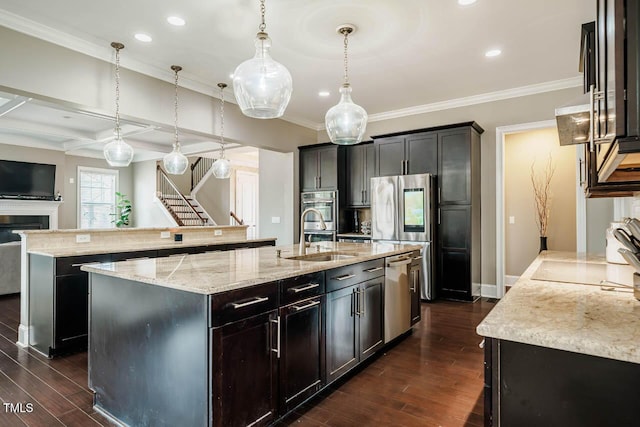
96 197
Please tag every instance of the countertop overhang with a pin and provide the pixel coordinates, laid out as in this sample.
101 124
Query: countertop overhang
216 272
576 317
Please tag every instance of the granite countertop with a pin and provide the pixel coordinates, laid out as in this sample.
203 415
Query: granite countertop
216 272
125 229
94 249
544 308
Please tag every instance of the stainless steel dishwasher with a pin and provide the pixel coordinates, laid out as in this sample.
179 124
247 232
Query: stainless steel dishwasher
397 297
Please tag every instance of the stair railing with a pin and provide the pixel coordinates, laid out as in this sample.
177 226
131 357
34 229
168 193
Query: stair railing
235 217
199 169
166 187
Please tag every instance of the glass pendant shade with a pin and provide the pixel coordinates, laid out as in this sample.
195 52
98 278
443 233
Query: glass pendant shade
118 153
221 168
346 121
175 162
261 85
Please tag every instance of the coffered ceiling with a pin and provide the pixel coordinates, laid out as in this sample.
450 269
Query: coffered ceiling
406 56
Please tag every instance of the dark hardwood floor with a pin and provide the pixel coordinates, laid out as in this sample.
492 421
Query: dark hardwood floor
434 377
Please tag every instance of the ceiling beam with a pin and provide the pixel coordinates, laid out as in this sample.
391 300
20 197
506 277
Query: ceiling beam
126 131
17 102
41 130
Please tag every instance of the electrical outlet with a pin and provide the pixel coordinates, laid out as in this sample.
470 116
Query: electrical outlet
512 220
165 234
217 232
72 181
275 220
83 238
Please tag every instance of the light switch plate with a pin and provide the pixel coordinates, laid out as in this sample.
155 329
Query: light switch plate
83 238
217 232
71 180
165 234
512 220
275 220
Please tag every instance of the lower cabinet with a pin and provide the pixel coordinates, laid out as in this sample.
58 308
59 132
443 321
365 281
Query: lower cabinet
302 352
71 311
414 288
244 368
355 328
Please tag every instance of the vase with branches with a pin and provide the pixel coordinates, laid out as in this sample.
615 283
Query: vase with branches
542 198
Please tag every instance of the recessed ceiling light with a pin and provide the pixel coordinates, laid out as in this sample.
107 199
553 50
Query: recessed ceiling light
466 2
324 93
175 20
143 37
493 52
66 117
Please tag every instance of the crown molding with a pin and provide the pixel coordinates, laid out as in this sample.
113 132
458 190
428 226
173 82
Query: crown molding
480 99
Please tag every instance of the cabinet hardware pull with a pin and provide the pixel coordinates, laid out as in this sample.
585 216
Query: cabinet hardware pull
356 293
277 349
438 216
406 168
304 288
256 300
345 277
319 182
439 194
353 303
580 169
592 118
362 196
371 270
304 307
361 301
365 195
402 167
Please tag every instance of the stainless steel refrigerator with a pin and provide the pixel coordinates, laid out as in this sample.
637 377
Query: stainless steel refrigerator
402 211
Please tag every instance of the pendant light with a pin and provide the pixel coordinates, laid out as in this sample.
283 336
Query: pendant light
262 86
175 162
221 168
346 121
118 153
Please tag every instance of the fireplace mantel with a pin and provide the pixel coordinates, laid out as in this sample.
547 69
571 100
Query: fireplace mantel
32 207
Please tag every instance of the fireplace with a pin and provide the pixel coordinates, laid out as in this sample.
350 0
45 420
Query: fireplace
20 222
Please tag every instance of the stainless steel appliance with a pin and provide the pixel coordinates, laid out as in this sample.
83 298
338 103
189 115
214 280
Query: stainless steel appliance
326 202
397 296
402 210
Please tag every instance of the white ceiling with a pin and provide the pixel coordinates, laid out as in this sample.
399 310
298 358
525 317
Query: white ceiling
406 54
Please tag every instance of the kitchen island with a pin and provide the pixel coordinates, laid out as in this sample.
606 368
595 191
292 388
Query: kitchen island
232 338
562 347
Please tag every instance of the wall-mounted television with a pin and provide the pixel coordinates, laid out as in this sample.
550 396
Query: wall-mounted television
22 180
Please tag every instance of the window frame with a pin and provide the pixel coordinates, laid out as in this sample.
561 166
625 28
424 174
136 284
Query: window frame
104 171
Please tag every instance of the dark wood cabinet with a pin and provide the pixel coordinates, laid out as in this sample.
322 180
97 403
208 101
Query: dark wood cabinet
454 251
370 315
319 168
244 369
342 345
71 311
406 154
359 171
454 165
302 352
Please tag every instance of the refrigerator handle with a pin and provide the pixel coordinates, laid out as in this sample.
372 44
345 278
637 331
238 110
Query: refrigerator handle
438 216
439 195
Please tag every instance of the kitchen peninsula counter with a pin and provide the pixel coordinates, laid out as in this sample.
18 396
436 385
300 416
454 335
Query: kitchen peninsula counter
216 272
561 347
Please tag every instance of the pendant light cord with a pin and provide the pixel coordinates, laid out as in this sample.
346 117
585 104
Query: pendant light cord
263 25
177 142
118 93
222 143
346 60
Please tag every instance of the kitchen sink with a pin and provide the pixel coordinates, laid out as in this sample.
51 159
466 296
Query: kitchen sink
323 256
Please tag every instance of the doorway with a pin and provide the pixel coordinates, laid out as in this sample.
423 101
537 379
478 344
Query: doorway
246 200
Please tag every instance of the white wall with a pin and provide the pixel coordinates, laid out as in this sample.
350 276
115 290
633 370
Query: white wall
215 197
147 212
276 178
599 215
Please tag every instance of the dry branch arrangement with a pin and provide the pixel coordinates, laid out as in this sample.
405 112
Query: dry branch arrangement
542 195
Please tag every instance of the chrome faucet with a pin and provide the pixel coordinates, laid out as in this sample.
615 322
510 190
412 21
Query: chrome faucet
323 226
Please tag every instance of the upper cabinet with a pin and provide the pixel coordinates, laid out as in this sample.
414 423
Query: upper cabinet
319 168
360 169
406 154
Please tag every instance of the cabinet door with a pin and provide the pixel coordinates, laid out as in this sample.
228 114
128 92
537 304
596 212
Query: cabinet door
454 252
369 171
308 169
328 168
71 311
355 175
414 282
342 333
301 360
244 352
422 153
389 156
370 312
454 151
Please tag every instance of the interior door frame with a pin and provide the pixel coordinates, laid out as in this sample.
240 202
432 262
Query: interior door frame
238 173
581 218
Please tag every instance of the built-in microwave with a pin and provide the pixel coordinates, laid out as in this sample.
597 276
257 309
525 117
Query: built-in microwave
326 203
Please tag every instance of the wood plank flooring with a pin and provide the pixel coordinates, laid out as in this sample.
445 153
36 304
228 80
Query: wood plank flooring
434 377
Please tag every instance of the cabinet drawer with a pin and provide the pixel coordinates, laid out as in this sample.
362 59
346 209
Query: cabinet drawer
71 265
348 275
301 287
242 303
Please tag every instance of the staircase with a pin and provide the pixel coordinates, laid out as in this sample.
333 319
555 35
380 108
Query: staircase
199 169
185 210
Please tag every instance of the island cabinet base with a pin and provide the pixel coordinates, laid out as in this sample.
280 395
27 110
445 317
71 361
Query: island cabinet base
527 385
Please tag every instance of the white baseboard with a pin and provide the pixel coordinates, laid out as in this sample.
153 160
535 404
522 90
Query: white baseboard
510 280
489 291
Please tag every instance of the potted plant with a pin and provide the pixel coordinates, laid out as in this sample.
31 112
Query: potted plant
123 207
542 199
